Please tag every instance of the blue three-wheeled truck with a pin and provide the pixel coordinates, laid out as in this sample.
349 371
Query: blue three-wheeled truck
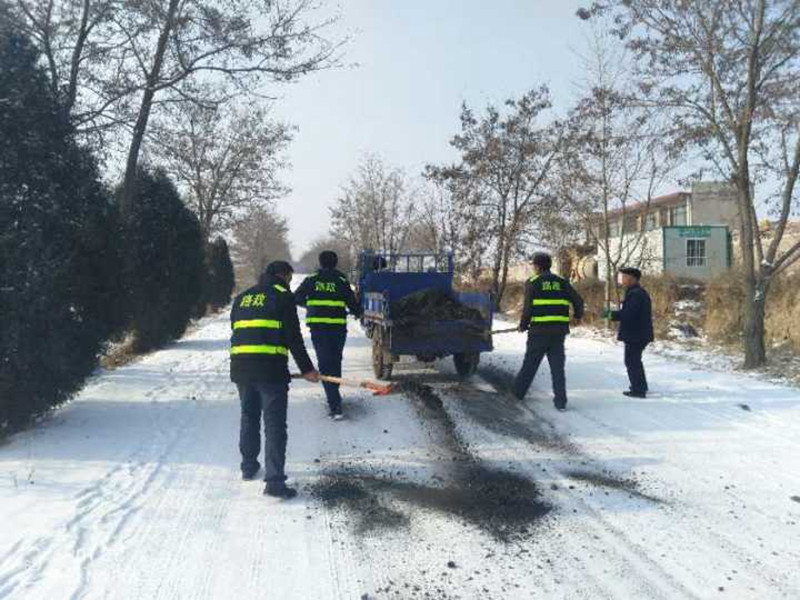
386 278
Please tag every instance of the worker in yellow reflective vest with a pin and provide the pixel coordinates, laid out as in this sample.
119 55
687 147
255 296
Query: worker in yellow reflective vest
545 316
328 297
265 331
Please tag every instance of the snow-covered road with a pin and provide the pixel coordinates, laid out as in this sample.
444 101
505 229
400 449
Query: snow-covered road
451 491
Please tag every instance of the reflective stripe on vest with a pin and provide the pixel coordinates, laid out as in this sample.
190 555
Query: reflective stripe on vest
544 302
326 320
337 303
260 349
550 319
257 323
280 288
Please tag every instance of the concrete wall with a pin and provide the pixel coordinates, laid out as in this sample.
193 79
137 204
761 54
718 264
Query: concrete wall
717 251
713 203
790 237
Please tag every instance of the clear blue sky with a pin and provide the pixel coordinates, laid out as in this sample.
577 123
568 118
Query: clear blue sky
417 61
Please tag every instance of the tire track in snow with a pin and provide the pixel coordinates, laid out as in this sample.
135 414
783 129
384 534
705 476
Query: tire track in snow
104 508
652 579
144 468
9 581
764 573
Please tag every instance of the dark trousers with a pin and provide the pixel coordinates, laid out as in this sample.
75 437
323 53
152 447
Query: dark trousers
267 400
633 362
539 346
329 346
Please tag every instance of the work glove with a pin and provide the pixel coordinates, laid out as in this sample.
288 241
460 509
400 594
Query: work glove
523 327
312 376
606 313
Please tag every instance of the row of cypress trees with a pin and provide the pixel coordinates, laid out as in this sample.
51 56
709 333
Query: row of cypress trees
75 270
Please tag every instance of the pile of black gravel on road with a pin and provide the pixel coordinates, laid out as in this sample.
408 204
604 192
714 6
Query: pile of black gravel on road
503 504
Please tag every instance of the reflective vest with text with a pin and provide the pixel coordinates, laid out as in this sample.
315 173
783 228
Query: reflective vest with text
550 303
257 329
326 305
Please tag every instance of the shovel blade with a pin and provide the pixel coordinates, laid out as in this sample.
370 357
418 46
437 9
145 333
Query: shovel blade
378 390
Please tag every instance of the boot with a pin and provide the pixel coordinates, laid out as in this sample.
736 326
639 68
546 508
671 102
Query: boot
250 472
280 490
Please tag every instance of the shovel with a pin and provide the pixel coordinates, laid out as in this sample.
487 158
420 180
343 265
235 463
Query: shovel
377 389
499 331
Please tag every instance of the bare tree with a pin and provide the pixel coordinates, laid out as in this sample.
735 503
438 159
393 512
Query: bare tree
116 61
434 227
505 164
259 237
375 210
612 160
225 158
728 71
449 220
240 45
86 57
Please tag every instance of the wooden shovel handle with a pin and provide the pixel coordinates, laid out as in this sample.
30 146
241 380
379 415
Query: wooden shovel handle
506 330
369 385
497 331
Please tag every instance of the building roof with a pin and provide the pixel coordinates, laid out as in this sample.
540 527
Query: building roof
657 202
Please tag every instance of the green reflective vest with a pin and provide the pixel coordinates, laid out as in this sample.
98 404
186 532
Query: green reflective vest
326 303
255 328
550 302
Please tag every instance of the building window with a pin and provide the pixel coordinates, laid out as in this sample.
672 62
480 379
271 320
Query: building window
613 228
695 253
631 225
677 215
651 221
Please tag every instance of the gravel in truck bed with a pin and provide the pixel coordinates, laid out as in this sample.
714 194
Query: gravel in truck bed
431 305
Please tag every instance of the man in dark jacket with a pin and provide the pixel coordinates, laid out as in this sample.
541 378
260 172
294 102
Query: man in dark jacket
328 297
545 316
265 330
635 329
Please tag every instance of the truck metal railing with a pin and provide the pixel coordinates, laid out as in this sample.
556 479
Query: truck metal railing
407 262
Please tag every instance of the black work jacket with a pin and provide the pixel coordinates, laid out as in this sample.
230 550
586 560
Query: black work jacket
547 301
635 317
328 297
265 330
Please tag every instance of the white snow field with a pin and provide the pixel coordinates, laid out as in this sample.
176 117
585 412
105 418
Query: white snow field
132 490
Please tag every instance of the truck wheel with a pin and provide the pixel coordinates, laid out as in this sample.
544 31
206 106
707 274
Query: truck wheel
466 364
381 368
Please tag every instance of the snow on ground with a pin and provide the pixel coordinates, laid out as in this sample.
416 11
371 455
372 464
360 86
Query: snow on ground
453 490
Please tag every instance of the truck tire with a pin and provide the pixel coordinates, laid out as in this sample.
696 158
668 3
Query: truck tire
466 364
380 366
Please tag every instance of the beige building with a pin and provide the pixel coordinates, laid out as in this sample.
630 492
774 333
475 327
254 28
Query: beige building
686 234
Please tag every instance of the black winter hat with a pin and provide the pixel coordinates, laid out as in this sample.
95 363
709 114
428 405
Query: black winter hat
279 268
543 260
633 271
328 259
